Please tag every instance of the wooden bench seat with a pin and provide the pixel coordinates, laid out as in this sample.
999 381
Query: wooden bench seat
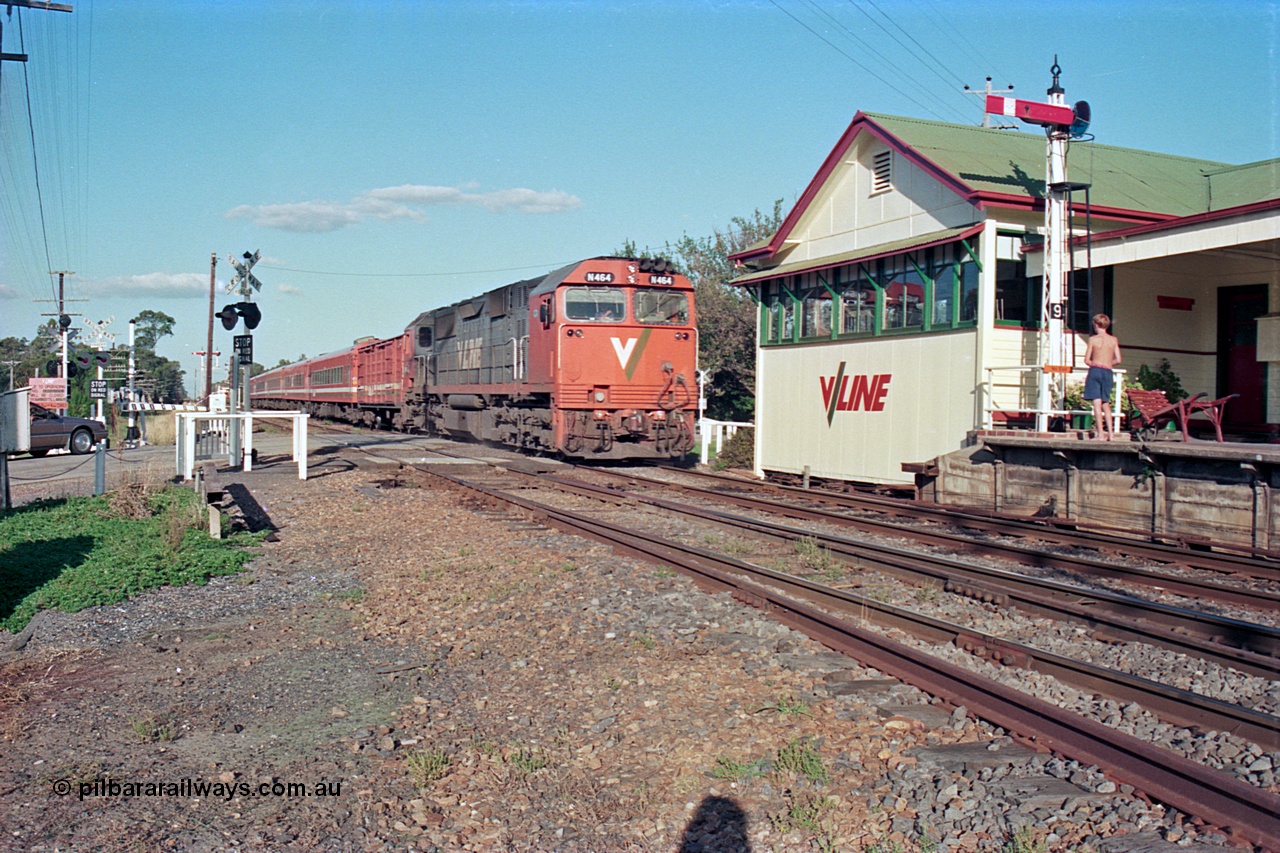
1153 410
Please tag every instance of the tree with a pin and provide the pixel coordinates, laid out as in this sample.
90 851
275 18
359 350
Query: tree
726 314
149 328
162 375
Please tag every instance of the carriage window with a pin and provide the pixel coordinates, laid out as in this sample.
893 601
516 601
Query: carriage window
662 307
424 336
595 304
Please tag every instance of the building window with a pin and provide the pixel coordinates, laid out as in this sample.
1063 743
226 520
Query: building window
903 295
858 304
1017 297
816 308
882 172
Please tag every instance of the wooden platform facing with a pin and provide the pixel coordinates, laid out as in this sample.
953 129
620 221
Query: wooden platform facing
1194 491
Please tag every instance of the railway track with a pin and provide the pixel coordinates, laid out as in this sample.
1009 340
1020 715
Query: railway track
1226 560
837 618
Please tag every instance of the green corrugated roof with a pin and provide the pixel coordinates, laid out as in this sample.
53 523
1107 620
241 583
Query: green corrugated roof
1012 161
1237 185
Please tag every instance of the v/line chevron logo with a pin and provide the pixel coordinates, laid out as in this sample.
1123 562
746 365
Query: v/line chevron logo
629 353
841 393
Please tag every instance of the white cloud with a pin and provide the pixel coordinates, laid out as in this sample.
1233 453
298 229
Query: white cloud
7 292
157 284
402 202
289 290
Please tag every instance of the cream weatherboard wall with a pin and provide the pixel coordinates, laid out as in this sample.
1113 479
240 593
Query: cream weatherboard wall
928 407
847 214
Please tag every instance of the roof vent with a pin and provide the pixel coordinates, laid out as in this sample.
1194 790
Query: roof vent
882 171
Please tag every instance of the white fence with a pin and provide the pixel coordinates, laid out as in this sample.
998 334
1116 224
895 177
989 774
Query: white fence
1018 385
717 431
206 435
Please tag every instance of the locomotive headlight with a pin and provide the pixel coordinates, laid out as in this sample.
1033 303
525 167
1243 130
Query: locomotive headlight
599 396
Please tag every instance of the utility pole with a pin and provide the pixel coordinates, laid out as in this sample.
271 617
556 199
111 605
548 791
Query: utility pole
985 92
12 365
64 319
208 349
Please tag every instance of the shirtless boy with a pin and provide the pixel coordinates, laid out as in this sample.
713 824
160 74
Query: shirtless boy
1101 358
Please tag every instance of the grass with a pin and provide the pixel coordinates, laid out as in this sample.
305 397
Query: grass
734 771
428 765
528 760
76 553
800 757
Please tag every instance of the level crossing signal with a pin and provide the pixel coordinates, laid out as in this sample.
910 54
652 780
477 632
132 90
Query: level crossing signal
231 314
244 279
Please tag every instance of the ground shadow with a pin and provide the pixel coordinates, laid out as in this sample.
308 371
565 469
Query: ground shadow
718 826
255 517
27 566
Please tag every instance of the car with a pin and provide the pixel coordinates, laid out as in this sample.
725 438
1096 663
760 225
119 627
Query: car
52 431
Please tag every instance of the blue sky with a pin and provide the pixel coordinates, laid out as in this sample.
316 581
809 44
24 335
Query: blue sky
387 158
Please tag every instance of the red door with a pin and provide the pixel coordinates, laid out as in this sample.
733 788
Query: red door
1239 371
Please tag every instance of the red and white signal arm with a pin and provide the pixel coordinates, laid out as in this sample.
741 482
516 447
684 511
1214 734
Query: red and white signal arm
1032 112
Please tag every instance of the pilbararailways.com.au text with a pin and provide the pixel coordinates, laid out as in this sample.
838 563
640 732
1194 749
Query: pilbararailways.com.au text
106 787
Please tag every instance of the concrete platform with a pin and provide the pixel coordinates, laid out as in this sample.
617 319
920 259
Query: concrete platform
1226 493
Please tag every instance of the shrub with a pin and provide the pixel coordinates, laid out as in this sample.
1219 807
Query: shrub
739 451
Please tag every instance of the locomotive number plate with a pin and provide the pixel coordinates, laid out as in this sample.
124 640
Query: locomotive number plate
662 279
599 277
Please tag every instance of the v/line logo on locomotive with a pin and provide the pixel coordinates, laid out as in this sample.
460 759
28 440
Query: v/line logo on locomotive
841 393
528 364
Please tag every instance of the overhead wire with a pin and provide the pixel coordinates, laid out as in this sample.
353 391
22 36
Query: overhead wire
887 62
907 33
864 67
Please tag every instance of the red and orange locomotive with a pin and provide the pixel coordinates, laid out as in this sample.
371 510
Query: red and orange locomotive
596 360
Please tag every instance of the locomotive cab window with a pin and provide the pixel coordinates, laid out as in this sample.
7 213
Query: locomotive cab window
595 304
662 307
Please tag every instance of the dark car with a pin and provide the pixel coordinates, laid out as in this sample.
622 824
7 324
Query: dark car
51 431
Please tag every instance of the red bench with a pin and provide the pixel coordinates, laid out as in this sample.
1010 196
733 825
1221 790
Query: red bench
1153 410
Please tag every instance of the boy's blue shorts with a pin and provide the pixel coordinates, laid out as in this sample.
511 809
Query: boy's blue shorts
1097 385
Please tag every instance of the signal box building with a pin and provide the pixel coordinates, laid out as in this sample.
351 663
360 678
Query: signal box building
900 300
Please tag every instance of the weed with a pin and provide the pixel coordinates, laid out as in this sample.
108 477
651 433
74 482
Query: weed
789 706
613 683
734 771
802 812
428 765
528 760
877 592
568 566
663 572
812 555
353 595
884 847
800 757
484 746
928 593
150 730
646 641
1025 840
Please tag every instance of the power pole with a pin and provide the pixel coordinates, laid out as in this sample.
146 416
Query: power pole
12 365
208 349
984 92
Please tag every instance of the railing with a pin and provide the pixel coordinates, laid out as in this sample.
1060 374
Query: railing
717 431
206 435
989 408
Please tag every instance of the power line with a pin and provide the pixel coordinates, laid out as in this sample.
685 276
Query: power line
553 266
854 61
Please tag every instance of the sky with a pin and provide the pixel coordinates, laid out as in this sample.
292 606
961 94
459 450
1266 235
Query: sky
390 157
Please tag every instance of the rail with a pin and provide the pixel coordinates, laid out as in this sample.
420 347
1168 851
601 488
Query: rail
989 408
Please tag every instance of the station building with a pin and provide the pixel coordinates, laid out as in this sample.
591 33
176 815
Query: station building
900 300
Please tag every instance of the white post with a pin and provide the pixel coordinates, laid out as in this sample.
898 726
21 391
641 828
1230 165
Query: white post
300 434
248 442
1057 235
189 441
